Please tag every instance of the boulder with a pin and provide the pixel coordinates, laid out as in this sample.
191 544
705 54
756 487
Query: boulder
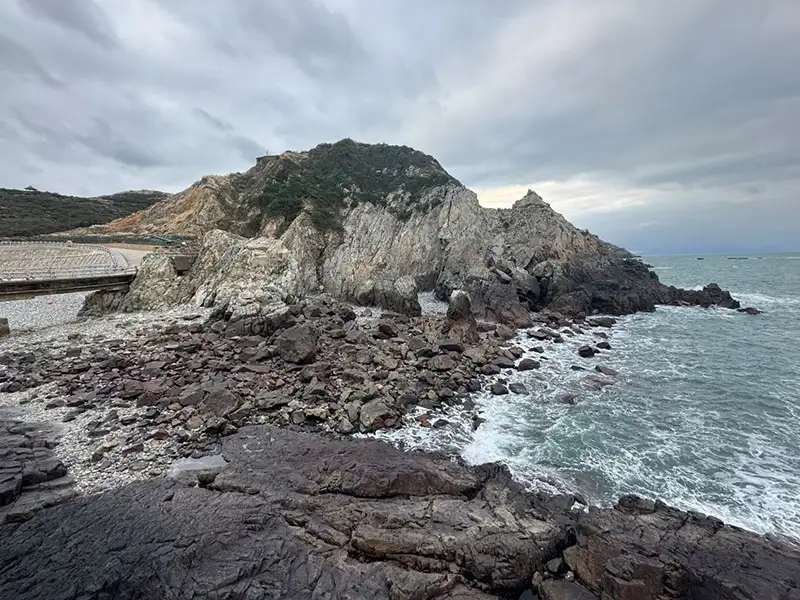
5 330
376 415
606 370
461 327
586 351
528 364
451 346
518 388
442 363
600 321
459 306
503 362
498 389
297 344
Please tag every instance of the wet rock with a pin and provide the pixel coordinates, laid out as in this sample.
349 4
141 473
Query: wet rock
490 369
749 310
5 330
606 370
586 351
600 321
528 364
298 344
498 389
518 388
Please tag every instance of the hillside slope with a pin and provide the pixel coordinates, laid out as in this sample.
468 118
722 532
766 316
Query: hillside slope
375 224
31 212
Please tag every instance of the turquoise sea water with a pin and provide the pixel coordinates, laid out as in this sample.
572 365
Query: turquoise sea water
704 414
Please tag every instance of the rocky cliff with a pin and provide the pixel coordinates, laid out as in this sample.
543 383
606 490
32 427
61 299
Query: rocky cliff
375 224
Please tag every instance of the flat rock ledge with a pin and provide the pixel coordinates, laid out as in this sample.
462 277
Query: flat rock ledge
302 515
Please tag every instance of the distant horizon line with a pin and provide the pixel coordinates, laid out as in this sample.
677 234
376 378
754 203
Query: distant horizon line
704 254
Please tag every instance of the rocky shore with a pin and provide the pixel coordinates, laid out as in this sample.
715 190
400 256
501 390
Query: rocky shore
217 450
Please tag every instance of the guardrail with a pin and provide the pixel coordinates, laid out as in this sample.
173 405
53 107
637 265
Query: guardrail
59 273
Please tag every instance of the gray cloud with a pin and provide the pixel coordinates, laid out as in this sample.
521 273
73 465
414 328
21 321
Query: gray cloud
84 17
657 110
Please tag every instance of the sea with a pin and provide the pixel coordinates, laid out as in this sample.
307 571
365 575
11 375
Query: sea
704 412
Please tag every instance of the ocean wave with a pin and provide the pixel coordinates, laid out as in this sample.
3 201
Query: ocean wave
687 419
765 299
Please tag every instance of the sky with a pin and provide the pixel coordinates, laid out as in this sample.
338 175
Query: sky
665 127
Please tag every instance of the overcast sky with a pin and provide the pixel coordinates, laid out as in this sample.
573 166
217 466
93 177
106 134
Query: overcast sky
663 126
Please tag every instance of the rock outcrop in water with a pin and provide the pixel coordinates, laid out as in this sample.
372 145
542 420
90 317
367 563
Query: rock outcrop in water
375 224
301 516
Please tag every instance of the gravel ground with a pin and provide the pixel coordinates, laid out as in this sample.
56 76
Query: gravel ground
75 448
42 311
430 305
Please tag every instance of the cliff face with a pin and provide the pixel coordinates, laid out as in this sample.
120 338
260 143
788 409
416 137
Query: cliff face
376 224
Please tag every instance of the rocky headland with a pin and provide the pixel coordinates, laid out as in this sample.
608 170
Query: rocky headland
209 438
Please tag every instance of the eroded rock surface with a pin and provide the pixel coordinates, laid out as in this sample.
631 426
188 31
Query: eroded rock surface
292 516
297 515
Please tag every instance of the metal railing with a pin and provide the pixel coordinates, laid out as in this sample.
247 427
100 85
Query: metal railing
56 272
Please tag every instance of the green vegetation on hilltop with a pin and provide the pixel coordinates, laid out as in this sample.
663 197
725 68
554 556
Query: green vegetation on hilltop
336 176
30 212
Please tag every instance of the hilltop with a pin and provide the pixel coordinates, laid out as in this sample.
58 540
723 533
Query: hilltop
31 212
323 183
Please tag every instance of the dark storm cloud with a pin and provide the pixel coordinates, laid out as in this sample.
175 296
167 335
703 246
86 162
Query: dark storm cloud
629 115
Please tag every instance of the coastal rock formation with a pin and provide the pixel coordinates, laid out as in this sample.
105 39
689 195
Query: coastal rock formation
294 515
645 549
374 224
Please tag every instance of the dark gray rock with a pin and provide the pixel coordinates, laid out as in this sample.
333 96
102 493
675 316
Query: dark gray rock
559 589
606 370
503 362
451 346
297 344
442 363
291 516
528 364
644 549
518 388
376 415
5 330
586 351
498 389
